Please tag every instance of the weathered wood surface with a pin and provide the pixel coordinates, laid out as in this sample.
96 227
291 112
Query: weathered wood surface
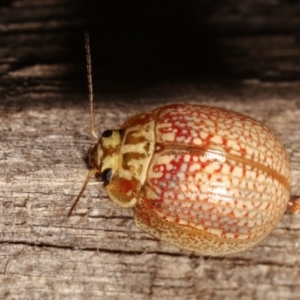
252 65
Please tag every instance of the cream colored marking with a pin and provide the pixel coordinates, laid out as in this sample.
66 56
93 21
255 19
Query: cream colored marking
136 148
167 201
112 142
172 184
233 144
193 213
215 231
221 157
193 196
181 176
200 227
158 190
239 204
250 174
203 159
270 161
207 206
109 162
263 205
214 217
207 224
195 158
128 204
169 167
168 176
238 213
216 139
183 167
187 206
210 169
192 187
257 203
243 184
164 159
260 188
253 214
221 192
195 134
176 203
209 123
202 178
261 178
183 187
229 235
162 184
171 195
180 197
180 139
197 141
243 236
183 222
168 137
225 169
187 158
146 133
237 172
150 194
155 174
194 167
261 156
190 120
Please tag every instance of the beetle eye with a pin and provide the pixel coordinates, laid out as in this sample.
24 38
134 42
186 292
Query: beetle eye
107 133
106 175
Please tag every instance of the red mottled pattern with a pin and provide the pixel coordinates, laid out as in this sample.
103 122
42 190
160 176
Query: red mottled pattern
217 171
220 129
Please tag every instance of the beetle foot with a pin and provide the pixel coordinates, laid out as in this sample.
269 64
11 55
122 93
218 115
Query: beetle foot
294 205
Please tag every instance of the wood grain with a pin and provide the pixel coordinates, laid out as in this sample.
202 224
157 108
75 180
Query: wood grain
98 253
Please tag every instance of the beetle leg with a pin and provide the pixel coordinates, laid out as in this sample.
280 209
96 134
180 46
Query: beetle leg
294 205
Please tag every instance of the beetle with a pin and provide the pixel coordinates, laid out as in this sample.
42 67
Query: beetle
202 178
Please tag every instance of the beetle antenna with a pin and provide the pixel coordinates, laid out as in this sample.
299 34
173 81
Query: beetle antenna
89 176
92 126
90 82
